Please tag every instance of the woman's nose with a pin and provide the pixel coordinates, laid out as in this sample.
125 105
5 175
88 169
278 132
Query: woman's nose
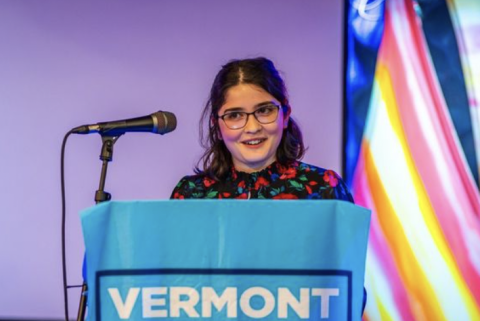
252 125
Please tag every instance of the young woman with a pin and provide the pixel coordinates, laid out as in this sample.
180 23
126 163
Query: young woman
253 146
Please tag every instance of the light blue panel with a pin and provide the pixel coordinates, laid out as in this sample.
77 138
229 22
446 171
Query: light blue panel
220 244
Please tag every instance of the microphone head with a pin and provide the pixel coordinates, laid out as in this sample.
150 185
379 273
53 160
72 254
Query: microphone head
164 122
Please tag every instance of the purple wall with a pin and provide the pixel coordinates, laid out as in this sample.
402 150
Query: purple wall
67 63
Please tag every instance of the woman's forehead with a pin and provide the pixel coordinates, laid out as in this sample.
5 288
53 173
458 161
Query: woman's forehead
246 96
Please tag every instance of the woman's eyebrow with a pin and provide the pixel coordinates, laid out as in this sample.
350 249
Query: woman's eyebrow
233 109
262 104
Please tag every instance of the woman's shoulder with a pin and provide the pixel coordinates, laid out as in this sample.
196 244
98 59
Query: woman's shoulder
309 167
326 181
192 179
313 169
191 186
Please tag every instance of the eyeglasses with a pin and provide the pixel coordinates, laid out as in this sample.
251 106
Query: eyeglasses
266 114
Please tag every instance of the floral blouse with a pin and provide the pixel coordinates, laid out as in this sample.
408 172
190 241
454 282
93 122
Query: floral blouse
294 180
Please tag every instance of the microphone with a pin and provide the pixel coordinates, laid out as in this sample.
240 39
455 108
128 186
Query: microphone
161 122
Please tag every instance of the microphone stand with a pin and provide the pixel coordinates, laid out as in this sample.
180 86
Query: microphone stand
106 156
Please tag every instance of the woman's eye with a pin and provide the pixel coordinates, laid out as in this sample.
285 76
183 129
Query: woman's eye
233 116
265 110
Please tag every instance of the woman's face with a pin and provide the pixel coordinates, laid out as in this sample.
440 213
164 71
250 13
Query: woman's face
254 146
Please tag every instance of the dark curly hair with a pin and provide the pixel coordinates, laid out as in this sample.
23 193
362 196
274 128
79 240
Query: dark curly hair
262 73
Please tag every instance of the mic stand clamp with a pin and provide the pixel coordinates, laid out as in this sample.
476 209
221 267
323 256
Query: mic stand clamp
106 156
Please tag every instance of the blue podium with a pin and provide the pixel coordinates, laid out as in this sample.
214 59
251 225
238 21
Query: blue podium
225 260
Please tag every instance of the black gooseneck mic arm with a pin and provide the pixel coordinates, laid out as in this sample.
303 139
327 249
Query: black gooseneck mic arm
106 156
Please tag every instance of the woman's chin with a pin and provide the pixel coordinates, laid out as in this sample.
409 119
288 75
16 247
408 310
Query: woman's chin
253 164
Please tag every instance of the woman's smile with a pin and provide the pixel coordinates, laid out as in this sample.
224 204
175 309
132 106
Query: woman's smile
254 142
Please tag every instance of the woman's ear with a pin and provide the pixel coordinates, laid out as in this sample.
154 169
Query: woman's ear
286 116
216 128
218 133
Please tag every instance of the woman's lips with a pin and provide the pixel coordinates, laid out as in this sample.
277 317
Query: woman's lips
254 142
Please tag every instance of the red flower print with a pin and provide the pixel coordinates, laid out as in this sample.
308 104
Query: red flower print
289 173
241 184
309 189
178 196
242 196
313 183
260 182
281 169
331 178
285 196
225 194
207 181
